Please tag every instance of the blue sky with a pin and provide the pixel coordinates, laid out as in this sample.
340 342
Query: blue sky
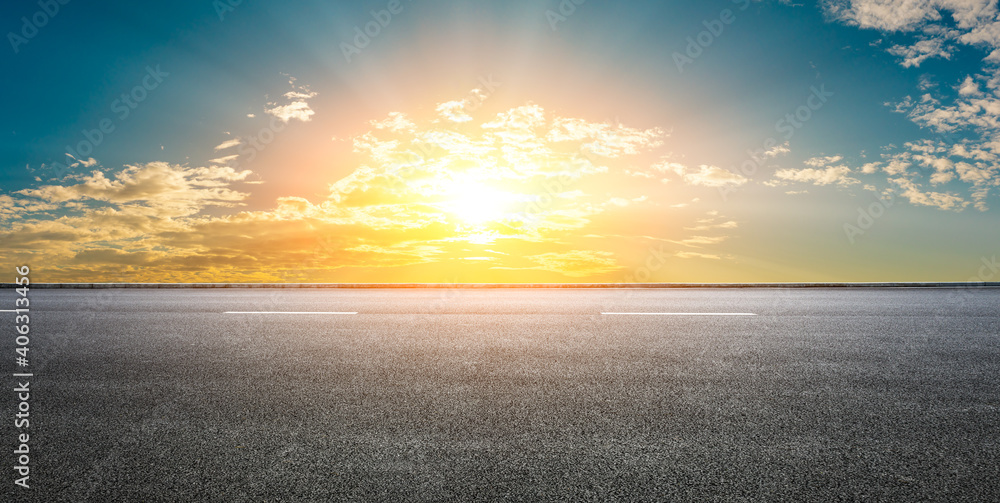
907 121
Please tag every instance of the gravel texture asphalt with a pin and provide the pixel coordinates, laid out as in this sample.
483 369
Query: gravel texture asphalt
508 395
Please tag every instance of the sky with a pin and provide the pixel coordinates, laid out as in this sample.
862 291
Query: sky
501 141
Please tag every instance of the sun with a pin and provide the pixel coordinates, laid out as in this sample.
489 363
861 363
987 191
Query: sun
476 204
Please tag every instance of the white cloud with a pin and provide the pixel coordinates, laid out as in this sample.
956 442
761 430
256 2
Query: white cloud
606 139
396 122
870 167
705 175
713 176
699 241
526 117
839 175
224 159
941 200
822 172
939 163
454 111
920 51
689 255
818 162
296 110
297 105
897 166
162 188
969 87
87 163
910 15
777 150
227 144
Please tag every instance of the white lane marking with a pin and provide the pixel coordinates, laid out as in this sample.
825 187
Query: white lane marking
288 312
686 314
630 314
7 311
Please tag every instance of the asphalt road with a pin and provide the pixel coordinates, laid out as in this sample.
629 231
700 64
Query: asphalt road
516 395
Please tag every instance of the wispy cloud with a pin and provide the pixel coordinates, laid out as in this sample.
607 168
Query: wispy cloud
704 175
921 50
939 200
295 104
228 144
821 175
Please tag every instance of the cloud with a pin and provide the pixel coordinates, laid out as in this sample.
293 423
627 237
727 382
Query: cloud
713 176
228 144
296 104
168 189
454 111
20 207
938 163
296 110
396 122
818 162
87 163
698 241
820 174
224 159
969 87
968 112
910 15
690 255
920 51
460 110
870 167
520 119
605 139
778 150
710 223
705 175
939 200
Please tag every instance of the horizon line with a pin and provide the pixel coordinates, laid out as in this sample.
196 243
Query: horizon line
895 284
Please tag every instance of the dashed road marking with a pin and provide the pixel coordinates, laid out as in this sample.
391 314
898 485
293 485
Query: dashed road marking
685 314
289 312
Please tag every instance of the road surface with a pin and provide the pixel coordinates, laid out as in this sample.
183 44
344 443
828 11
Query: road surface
513 394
